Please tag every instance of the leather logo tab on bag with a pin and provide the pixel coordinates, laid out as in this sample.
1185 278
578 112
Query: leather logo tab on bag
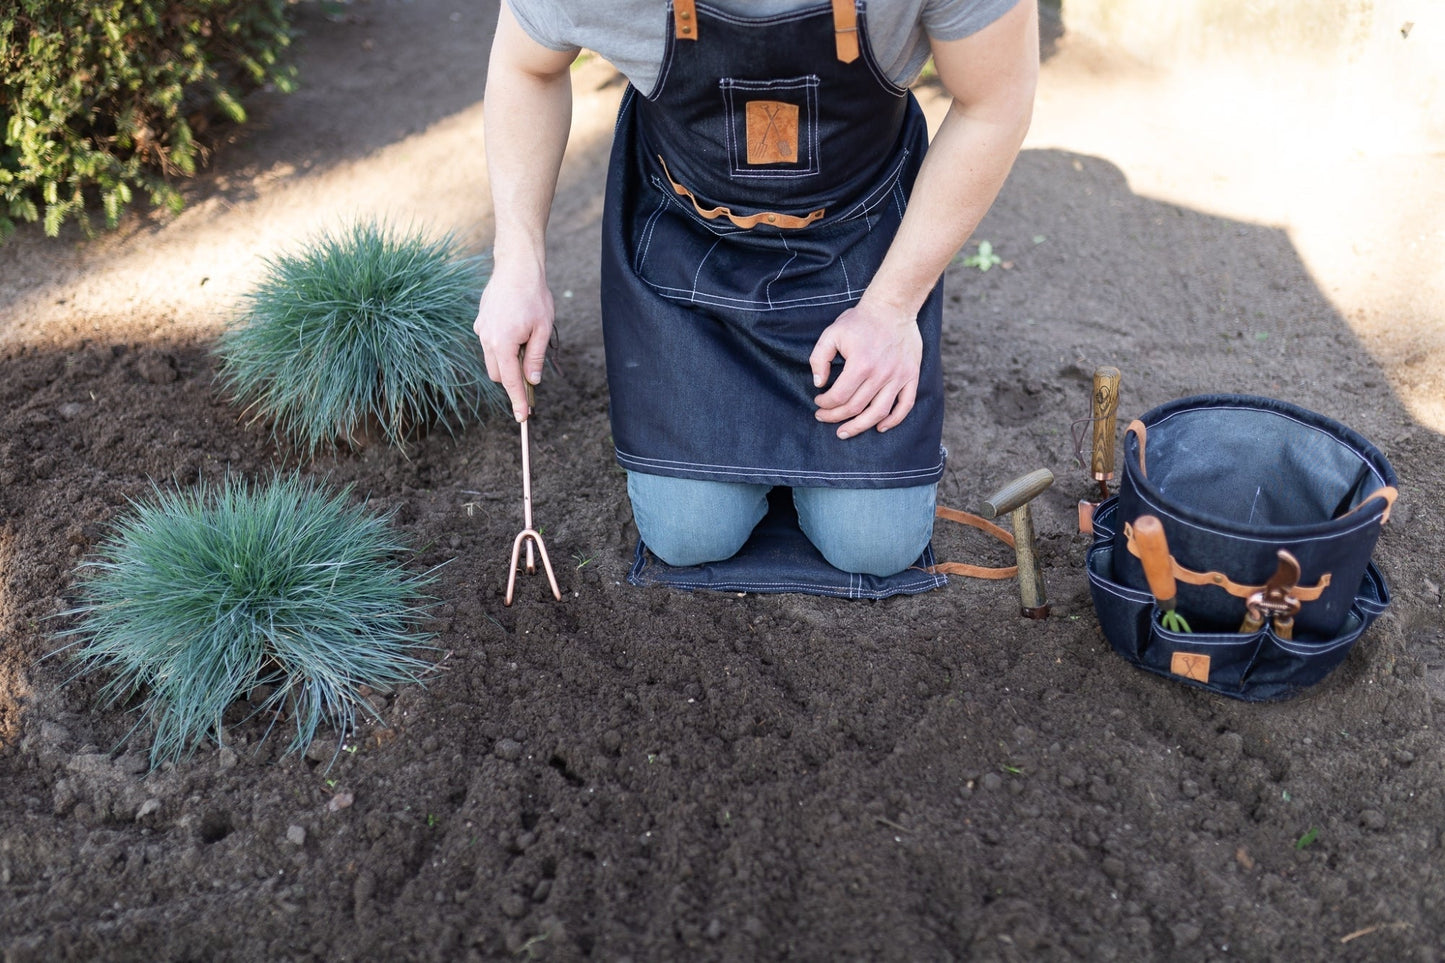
772 128
1190 665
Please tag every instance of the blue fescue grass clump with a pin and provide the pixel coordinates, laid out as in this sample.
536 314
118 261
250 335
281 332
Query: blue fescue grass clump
202 598
364 330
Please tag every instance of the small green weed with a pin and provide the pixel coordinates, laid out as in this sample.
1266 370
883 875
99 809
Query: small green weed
984 259
201 597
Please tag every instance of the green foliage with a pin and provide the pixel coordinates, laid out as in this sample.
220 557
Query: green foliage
107 99
984 259
362 329
203 598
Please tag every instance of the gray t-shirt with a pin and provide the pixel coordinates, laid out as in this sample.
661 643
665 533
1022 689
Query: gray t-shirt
632 34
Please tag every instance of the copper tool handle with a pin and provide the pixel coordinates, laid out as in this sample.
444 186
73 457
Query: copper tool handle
1105 410
1154 554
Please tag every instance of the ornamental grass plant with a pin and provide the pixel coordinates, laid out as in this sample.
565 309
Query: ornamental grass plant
366 331
278 591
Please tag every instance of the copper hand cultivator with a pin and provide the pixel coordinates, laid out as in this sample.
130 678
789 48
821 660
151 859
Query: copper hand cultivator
528 536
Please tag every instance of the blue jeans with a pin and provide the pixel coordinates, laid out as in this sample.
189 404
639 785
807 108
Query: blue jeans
871 531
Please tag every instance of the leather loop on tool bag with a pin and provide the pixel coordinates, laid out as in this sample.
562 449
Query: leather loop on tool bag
963 568
1137 427
845 29
684 19
1389 493
745 221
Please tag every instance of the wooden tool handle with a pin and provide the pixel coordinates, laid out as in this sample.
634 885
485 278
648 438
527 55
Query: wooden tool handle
531 389
1154 554
1020 491
1105 408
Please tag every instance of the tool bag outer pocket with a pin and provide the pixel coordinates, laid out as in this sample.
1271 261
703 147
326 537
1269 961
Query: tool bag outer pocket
1257 666
1234 479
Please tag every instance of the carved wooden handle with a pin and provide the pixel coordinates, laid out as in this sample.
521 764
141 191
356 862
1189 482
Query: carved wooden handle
1105 408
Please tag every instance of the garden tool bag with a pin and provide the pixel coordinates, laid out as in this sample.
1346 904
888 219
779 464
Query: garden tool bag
1271 514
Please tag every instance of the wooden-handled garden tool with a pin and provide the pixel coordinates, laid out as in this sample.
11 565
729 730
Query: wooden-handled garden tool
1013 500
1276 598
1159 570
529 535
1104 406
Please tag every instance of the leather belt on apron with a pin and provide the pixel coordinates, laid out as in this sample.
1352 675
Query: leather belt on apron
771 218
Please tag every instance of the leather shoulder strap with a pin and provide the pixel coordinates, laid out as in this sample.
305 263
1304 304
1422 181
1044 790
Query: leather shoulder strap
684 19
845 30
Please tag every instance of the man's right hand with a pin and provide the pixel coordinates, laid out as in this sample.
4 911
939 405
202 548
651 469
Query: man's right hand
514 325
527 114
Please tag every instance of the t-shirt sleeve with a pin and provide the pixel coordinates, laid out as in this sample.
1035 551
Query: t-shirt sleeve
545 22
956 19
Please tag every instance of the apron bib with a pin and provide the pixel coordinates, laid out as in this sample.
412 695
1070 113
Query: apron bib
748 204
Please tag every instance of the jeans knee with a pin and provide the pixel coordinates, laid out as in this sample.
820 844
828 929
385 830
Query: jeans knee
685 521
868 531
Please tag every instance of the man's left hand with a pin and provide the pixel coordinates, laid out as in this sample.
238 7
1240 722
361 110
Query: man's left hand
882 351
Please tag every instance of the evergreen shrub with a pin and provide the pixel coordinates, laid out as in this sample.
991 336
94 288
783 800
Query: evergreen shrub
107 99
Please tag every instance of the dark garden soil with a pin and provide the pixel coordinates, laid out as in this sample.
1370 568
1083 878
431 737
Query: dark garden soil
647 774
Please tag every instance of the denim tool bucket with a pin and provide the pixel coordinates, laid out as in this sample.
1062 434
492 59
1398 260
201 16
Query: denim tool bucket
1270 513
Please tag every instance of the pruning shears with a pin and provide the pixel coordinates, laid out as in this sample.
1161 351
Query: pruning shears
1275 599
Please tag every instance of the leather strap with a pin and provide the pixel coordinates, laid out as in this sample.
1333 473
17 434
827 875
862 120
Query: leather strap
983 525
845 26
748 221
845 30
1137 427
1389 493
684 19
1304 593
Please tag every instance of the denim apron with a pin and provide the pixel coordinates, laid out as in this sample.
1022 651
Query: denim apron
750 199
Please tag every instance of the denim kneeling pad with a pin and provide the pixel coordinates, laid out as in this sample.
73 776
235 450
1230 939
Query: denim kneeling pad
779 558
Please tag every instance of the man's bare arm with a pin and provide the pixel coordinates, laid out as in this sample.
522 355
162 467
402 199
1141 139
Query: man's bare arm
527 116
991 76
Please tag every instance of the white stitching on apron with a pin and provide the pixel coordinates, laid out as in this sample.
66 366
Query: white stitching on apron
700 263
721 301
729 470
646 244
809 85
792 256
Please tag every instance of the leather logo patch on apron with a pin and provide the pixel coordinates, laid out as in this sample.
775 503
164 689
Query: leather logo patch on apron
771 126
772 132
